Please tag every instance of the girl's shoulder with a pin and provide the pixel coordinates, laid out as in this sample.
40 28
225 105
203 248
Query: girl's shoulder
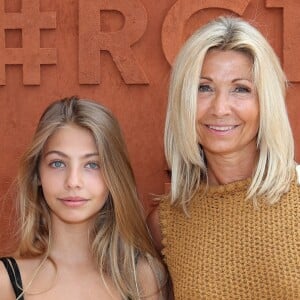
151 277
13 272
10 278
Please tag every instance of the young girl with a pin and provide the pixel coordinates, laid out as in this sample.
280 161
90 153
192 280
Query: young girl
83 234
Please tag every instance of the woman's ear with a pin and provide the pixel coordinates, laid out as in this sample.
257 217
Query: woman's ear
298 173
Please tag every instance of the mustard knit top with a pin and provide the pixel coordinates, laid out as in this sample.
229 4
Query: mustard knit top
228 249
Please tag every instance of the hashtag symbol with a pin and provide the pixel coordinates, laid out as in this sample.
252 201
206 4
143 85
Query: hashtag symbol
30 20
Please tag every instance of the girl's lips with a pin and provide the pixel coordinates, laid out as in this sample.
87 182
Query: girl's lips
73 201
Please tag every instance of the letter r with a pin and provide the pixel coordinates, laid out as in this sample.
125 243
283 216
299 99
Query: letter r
92 40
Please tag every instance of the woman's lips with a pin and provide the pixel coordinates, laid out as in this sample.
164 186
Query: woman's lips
221 130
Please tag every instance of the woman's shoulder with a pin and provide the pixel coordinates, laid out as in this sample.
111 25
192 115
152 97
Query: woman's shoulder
153 219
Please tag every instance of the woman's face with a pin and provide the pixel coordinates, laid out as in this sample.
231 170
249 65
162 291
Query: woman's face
227 107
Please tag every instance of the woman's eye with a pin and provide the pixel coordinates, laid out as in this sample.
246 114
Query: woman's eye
93 165
204 88
57 164
242 89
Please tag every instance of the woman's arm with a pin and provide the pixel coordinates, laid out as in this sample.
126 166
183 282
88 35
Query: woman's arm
154 226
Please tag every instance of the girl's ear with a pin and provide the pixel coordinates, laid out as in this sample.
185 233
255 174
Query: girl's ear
38 180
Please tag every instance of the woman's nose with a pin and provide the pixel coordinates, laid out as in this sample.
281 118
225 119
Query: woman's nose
221 105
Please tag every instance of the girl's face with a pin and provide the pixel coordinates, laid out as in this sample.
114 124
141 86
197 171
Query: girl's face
71 176
227 107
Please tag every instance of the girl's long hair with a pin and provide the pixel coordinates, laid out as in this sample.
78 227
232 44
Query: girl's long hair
119 237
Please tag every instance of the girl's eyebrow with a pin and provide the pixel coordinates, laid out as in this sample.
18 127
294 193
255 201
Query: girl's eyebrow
60 153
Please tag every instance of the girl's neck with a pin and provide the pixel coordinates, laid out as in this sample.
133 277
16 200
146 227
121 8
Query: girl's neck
70 242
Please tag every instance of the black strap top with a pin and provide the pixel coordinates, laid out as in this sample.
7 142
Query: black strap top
14 275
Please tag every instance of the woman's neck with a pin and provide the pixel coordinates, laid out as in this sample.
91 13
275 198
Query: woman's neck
224 169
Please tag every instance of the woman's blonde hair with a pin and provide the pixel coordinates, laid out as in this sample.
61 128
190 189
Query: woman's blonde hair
275 167
119 237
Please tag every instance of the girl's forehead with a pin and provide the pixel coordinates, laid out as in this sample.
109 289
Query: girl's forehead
71 138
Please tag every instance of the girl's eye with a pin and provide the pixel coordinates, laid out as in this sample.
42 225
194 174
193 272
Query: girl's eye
204 88
57 164
93 165
242 89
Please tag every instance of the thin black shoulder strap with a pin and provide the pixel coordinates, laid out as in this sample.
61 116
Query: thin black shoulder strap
14 275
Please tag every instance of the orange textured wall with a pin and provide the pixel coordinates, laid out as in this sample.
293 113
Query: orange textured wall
118 53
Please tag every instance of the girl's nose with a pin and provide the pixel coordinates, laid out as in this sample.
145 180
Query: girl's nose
73 178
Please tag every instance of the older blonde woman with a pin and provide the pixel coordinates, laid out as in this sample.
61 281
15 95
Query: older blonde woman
229 228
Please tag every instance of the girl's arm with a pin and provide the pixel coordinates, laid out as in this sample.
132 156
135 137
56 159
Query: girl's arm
7 292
